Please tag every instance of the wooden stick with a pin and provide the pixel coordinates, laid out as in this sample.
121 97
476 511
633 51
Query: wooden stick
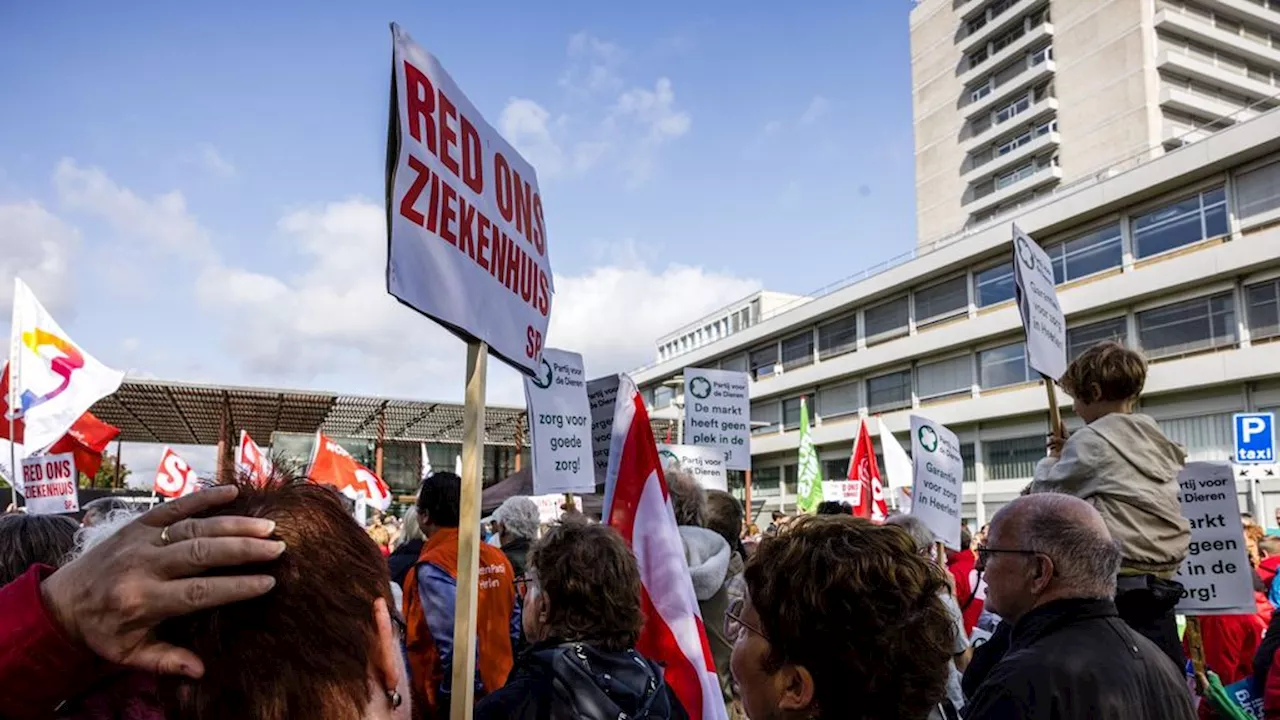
464 623
751 519
1055 415
941 551
1195 642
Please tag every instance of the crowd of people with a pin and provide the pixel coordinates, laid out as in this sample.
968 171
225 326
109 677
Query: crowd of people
270 601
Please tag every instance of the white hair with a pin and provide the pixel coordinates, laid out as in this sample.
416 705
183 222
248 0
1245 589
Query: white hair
920 533
91 536
409 527
519 517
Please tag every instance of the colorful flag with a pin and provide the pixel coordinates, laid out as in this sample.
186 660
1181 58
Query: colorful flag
174 477
52 380
251 460
864 471
809 478
639 507
88 438
332 465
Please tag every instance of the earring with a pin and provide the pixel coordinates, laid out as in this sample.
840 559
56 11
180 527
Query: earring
394 698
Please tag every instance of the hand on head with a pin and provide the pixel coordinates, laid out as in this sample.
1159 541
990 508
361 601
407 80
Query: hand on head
113 596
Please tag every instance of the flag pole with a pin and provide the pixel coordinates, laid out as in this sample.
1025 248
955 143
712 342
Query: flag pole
464 624
13 455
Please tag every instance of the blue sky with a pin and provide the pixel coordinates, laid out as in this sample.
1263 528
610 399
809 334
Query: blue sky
194 189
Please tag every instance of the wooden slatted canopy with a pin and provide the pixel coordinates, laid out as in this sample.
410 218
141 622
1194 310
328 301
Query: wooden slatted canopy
177 413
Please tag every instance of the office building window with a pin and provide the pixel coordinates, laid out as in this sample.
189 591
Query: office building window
970 466
1044 54
1013 459
1207 438
1009 38
839 400
662 396
1013 176
765 482
1006 365
1264 309
797 350
835 469
791 412
1189 220
1098 251
994 285
1258 192
735 363
886 320
945 377
1014 143
838 337
1014 108
946 299
889 392
763 361
1199 324
766 412
1084 337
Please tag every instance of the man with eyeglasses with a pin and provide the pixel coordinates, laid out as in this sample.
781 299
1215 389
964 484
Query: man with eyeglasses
1051 566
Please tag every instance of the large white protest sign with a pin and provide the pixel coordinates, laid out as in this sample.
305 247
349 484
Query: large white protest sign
467 245
1038 304
717 413
704 464
1216 576
939 472
560 422
602 395
50 484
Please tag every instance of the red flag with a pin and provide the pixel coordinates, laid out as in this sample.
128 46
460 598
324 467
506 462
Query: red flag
865 474
332 465
174 477
250 460
639 508
18 426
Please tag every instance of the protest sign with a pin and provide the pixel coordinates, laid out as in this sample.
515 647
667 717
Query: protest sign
602 396
939 471
1244 695
1042 316
174 477
551 507
1216 576
560 425
848 491
717 413
704 464
467 245
50 484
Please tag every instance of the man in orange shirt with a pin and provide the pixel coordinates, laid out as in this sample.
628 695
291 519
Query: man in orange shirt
430 591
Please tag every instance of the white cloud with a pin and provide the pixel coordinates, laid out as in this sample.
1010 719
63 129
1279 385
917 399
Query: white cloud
37 246
816 109
771 128
528 127
593 66
214 162
651 118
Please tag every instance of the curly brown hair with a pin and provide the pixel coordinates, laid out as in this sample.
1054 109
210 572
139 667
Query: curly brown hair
855 605
1107 371
592 582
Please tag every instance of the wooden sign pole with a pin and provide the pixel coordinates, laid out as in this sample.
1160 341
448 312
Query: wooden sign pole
941 551
751 515
464 624
1055 415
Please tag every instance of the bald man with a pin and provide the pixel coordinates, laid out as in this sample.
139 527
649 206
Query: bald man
1051 566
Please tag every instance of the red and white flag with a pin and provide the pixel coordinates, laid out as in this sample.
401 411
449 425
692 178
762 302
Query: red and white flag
638 506
174 477
868 496
252 461
87 439
333 465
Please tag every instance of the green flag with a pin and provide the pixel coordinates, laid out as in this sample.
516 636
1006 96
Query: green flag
809 486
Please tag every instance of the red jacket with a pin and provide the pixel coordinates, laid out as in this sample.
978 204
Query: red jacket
962 569
40 667
1230 642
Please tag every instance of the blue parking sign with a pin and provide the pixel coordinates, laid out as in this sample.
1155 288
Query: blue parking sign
1255 438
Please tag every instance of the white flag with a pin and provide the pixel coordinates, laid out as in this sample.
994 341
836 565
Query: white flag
426 462
896 463
53 381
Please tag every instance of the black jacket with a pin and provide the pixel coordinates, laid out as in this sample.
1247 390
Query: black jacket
403 558
1077 660
573 681
517 551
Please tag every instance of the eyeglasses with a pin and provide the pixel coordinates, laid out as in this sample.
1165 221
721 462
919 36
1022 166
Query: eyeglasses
985 553
734 627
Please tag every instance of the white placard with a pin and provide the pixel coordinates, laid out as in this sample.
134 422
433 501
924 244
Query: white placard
560 423
705 464
841 490
1038 304
50 484
602 395
468 245
717 413
939 472
551 507
1216 576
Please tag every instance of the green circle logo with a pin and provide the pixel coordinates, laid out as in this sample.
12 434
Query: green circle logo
928 438
700 388
543 378
666 457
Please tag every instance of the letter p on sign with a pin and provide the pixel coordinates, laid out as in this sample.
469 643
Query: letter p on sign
1255 437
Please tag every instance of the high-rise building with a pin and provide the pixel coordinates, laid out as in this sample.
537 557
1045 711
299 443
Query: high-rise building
1018 99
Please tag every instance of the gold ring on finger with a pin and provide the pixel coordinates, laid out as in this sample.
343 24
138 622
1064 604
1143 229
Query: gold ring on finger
164 535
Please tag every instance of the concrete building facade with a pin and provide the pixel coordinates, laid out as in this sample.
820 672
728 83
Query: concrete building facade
1178 256
1015 100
